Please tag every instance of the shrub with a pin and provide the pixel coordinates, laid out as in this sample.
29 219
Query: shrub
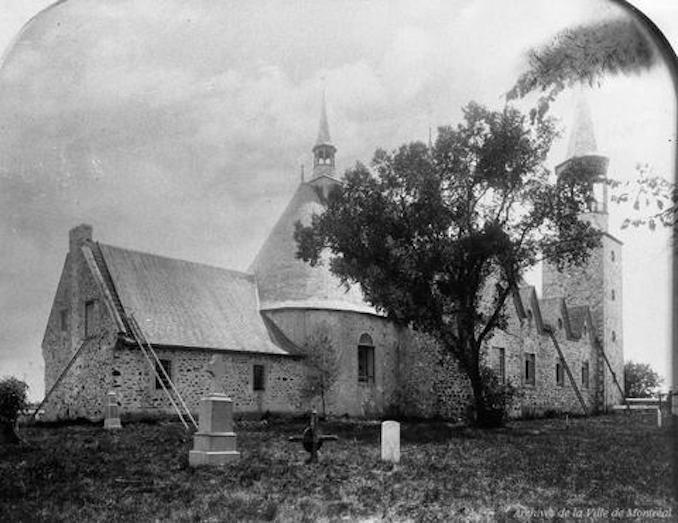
498 397
13 401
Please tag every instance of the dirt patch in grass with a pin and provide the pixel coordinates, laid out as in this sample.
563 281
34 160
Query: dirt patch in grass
83 473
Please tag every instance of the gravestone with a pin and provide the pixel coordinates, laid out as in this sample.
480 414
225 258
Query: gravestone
390 441
112 412
214 443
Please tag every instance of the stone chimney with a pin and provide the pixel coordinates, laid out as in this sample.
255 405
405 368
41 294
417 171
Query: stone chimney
79 235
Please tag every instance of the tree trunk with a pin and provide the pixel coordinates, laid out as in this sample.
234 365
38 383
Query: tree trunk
8 434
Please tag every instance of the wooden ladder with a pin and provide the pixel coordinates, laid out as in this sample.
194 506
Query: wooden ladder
163 378
599 346
549 330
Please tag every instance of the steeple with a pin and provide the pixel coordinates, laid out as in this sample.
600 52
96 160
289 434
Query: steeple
323 150
582 137
583 158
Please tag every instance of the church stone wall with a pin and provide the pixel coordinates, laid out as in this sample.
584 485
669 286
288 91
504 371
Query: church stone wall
348 395
82 391
592 285
521 338
134 381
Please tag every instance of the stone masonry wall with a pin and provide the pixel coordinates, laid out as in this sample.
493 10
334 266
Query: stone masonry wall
593 285
134 380
82 391
521 338
348 395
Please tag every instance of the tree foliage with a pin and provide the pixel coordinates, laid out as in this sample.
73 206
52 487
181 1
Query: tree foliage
324 365
438 238
583 55
13 400
640 381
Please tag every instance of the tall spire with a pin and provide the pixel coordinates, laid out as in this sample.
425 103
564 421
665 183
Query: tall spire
582 137
323 150
324 128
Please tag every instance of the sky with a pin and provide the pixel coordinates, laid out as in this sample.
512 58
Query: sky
179 128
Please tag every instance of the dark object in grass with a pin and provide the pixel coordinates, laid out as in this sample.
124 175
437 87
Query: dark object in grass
12 402
312 439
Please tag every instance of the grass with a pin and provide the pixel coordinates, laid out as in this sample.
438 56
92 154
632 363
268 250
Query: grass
83 473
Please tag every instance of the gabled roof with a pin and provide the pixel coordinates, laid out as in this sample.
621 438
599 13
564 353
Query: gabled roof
186 304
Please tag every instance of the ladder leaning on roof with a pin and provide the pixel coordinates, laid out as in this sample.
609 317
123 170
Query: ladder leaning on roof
549 330
599 345
162 376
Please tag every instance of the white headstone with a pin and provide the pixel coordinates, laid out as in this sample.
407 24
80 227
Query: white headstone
390 441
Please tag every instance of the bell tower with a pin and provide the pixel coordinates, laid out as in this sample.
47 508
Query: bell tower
324 149
598 283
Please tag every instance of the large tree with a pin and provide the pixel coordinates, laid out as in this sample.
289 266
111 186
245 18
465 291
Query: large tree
437 238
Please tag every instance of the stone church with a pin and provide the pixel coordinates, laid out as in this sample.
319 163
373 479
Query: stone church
260 321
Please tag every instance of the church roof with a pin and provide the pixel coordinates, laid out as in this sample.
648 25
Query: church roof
187 304
287 282
582 138
324 127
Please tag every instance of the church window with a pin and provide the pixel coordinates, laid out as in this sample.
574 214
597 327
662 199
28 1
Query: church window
500 354
612 294
585 330
612 255
529 314
365 359
529 376
258 378
585 375
560 323
63 319
614 336
560 377
160 377
90 317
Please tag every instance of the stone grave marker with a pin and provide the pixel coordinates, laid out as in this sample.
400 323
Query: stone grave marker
214 443
112 412
390 441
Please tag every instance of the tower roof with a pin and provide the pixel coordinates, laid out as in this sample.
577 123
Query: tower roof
324 127
287 282
582 137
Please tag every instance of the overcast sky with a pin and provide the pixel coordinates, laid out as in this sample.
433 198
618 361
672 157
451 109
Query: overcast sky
179 127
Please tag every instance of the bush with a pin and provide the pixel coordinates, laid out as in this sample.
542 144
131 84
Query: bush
13 401
498 398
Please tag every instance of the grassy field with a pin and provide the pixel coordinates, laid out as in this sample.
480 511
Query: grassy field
82 473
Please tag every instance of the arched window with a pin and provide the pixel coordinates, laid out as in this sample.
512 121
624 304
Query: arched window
612 255
560 323
529 314
612 294
584 328
614 336
366 359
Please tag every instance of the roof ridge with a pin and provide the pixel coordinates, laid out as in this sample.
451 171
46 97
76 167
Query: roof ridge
245 274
